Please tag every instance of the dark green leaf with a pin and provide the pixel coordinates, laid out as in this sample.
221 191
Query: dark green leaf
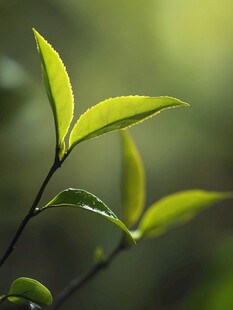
133 181
176 209
78 198
118 113
31 290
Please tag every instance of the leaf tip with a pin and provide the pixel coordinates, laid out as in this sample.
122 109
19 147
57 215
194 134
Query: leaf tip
185 104
179 102
36 34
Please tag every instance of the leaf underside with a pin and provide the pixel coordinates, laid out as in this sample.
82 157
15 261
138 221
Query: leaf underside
177 209
118 113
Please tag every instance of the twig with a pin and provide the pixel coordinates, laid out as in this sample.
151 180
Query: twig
30 213
77 283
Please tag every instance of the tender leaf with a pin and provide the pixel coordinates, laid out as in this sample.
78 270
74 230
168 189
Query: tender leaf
118 113
133 181
78 198
99 255
58 88
31 290
176 209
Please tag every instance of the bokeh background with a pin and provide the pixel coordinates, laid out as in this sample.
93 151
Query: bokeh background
181 48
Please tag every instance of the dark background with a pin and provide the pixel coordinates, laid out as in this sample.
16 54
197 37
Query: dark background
110 48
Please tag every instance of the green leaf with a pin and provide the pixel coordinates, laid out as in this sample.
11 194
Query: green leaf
176 209
118 113
31 290
133 181
99 255
78 198
58 88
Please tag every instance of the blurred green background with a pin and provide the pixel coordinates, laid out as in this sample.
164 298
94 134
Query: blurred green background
181 48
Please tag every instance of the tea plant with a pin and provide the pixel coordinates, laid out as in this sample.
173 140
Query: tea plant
112 114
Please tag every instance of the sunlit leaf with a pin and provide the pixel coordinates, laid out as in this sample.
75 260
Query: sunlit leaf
117 113
176 209
31 290
58 88
133 181
81 199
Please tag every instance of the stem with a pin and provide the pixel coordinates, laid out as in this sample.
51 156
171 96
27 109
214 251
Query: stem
30 213
77 283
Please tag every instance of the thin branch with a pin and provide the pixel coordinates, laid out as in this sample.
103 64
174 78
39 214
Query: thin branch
30 213
77 283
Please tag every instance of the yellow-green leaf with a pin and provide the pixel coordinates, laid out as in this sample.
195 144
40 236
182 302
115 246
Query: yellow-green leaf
176 209
58 88
133 181
118 113
31 290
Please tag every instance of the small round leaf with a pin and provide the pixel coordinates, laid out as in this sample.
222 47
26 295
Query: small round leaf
31 290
